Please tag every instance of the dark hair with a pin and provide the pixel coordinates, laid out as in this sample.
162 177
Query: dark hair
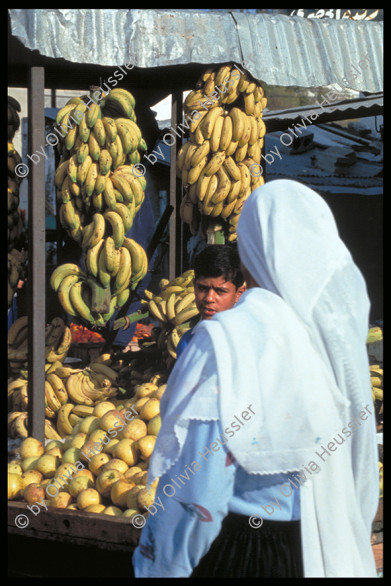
217 260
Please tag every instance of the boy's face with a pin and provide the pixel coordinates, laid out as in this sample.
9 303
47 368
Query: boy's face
215 294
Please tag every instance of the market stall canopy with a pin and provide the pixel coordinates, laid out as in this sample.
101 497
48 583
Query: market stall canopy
277 49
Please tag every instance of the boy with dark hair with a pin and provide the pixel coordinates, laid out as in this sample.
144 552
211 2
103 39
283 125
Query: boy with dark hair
218 283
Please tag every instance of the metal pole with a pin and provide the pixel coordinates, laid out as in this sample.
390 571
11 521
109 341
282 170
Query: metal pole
36 254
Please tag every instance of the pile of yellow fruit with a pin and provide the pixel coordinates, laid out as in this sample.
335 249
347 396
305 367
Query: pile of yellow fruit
102 466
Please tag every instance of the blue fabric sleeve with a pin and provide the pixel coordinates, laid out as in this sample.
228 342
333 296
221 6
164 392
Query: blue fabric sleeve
190 504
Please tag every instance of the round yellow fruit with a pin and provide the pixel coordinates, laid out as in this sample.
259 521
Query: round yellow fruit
89 424
71 455
33 493
116 464
47 465
78 484
15 486
150 409
111 420
105 480
95 508
154 425
54 444
131 499
101 408
30 463
87 497
98 435
76 440
134 430
119 491
137 406
31 476
60 501
126 450
97 462
132 472
145 390
130 513
15 467
112 510
31 447
159 393
145 498
146 445
56 451
109 448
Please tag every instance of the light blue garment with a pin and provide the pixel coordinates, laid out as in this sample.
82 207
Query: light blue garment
184 341
194 497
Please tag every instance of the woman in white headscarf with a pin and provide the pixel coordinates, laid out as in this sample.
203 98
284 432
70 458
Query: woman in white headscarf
267 455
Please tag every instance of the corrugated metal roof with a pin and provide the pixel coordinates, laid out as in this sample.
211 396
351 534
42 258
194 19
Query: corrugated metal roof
276 49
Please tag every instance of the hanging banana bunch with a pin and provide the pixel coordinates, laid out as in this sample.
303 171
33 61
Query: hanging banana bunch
220 163
99 193
173 308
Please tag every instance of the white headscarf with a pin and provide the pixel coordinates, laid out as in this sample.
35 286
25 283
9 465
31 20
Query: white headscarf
294 349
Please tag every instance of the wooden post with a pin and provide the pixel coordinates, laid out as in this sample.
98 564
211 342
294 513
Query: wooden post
36 254
175 259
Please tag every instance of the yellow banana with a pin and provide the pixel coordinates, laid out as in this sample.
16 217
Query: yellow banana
195 172
58 387
91 258
111 256
63 294
155 312
200 153
123 276
51 397
93 147
109 195
237 123
63 111
241 153
127 214
207 124
139 260
226 133
117 226
185 315
61 271
82 152
215 163
201 186
82 169
222 74
110 128
216 134
246 132
185 302
223 187
61 173
99 132
119 182
105 369
84 131
78 302
64 427
103 273
91 177
232 169
170 307
92 115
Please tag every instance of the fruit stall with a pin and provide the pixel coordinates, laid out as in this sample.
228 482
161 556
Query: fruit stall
83 412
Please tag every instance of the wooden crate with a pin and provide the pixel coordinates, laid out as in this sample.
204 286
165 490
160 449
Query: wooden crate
67 543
